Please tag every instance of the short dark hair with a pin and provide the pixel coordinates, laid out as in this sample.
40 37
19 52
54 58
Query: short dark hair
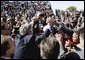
42 15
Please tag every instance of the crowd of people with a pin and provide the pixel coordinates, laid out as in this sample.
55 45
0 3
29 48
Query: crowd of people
30 30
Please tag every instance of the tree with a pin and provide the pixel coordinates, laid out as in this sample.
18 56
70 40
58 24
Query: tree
72 8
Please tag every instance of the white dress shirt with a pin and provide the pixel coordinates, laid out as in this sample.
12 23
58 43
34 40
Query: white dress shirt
48 26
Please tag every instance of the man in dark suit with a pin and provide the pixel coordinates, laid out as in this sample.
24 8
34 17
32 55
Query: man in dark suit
65 32
26 47
38 22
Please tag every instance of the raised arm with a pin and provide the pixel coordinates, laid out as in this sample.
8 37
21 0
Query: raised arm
43 36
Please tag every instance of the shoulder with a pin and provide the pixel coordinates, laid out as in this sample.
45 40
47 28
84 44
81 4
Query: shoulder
46 27
71 55
27 38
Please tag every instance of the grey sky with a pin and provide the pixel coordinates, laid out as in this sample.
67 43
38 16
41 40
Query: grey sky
62 5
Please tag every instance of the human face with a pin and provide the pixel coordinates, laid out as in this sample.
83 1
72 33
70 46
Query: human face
75 36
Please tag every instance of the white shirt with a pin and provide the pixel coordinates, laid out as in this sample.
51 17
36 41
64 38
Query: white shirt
47 27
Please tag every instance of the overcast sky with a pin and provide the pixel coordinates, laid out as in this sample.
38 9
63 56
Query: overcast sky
62 5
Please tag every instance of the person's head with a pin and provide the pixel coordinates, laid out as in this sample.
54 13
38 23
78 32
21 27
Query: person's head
23 17
49 48
52 15
50 20
25 29
8 20
7 46
15 30
71 55
39 14
75 36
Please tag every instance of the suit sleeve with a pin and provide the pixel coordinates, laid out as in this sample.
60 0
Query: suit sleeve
66 30
43 36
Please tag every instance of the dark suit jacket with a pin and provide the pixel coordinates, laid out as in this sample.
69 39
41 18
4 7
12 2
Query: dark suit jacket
27 48
70 55
65 30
